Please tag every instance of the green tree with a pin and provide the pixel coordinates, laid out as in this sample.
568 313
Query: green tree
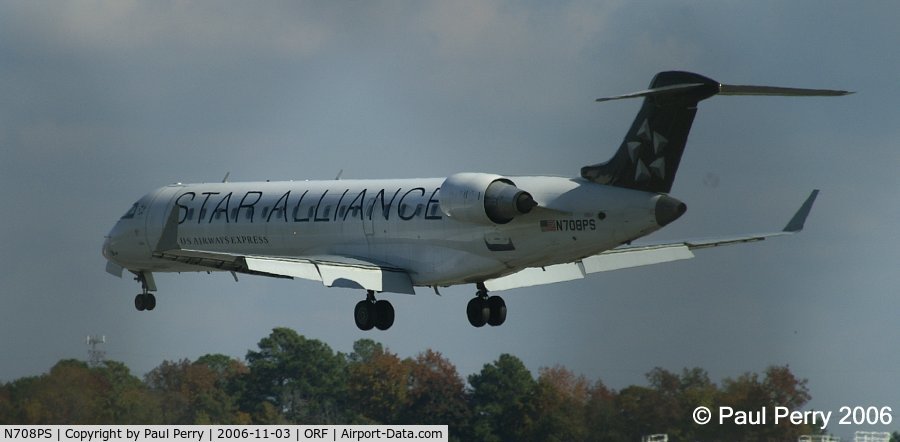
636 406
561 405
197 392
377 383
7 408
219 401
302 379
676 398
437 394
71 393
782 388
749 393
364 350
602 414
173 390
127 400
502 400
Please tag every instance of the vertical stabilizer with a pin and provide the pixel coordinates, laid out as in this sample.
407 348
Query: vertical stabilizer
649 156
651 151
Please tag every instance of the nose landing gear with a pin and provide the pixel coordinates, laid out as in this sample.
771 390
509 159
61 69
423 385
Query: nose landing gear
484 309
371 313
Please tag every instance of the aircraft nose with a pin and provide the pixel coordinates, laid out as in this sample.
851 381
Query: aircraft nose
106 250
668 209
109 243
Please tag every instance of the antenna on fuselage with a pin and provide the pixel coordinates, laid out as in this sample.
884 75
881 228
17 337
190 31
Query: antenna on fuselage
225 180
338 177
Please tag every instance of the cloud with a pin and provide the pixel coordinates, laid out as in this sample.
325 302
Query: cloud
222 28
474 29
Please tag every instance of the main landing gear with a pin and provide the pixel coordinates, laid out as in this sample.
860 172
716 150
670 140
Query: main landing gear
371 313
144 300
484 309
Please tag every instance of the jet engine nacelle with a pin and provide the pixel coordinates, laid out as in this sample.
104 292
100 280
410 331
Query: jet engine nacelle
483 198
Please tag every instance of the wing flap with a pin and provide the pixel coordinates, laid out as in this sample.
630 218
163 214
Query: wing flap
621 259
370 277
639 255
537 276
293 268
332 271
610 260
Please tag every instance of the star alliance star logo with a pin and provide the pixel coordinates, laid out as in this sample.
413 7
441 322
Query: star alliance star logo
653 144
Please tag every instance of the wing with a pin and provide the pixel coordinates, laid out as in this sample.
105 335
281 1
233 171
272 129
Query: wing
331 270
635 256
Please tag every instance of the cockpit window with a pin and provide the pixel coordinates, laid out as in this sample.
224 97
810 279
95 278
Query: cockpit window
131 212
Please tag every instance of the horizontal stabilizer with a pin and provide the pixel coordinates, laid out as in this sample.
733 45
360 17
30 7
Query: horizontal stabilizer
734 89
675 88
729 89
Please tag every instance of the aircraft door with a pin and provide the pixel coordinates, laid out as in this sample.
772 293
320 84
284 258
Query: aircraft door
157 211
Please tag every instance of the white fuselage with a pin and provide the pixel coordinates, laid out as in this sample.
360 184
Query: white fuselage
399 223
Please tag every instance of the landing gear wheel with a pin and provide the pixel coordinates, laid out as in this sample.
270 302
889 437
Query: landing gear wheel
364 315
497 308
384 315
145 300
478 312
371 313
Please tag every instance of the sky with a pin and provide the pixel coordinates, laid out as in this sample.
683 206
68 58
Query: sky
102 102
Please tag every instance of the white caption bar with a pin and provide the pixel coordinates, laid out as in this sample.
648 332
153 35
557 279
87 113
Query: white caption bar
215 433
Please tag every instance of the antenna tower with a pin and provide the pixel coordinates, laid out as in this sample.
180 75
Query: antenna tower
95 355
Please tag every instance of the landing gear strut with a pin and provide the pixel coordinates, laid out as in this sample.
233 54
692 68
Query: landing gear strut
371 313
145 300
484 309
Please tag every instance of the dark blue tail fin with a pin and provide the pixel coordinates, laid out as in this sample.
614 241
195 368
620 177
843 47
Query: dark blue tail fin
651 151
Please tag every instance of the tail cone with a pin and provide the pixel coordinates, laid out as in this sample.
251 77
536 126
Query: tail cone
668 209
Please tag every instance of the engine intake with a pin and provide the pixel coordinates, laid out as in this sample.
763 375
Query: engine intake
483 198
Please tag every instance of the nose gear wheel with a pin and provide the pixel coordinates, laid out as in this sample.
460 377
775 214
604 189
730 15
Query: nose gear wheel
144 300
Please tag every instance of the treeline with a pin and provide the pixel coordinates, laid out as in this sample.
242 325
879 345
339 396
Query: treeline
294 380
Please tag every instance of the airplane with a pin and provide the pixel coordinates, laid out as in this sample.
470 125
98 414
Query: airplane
497 232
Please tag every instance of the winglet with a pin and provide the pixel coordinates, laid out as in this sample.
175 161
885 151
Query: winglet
796 223
168 240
